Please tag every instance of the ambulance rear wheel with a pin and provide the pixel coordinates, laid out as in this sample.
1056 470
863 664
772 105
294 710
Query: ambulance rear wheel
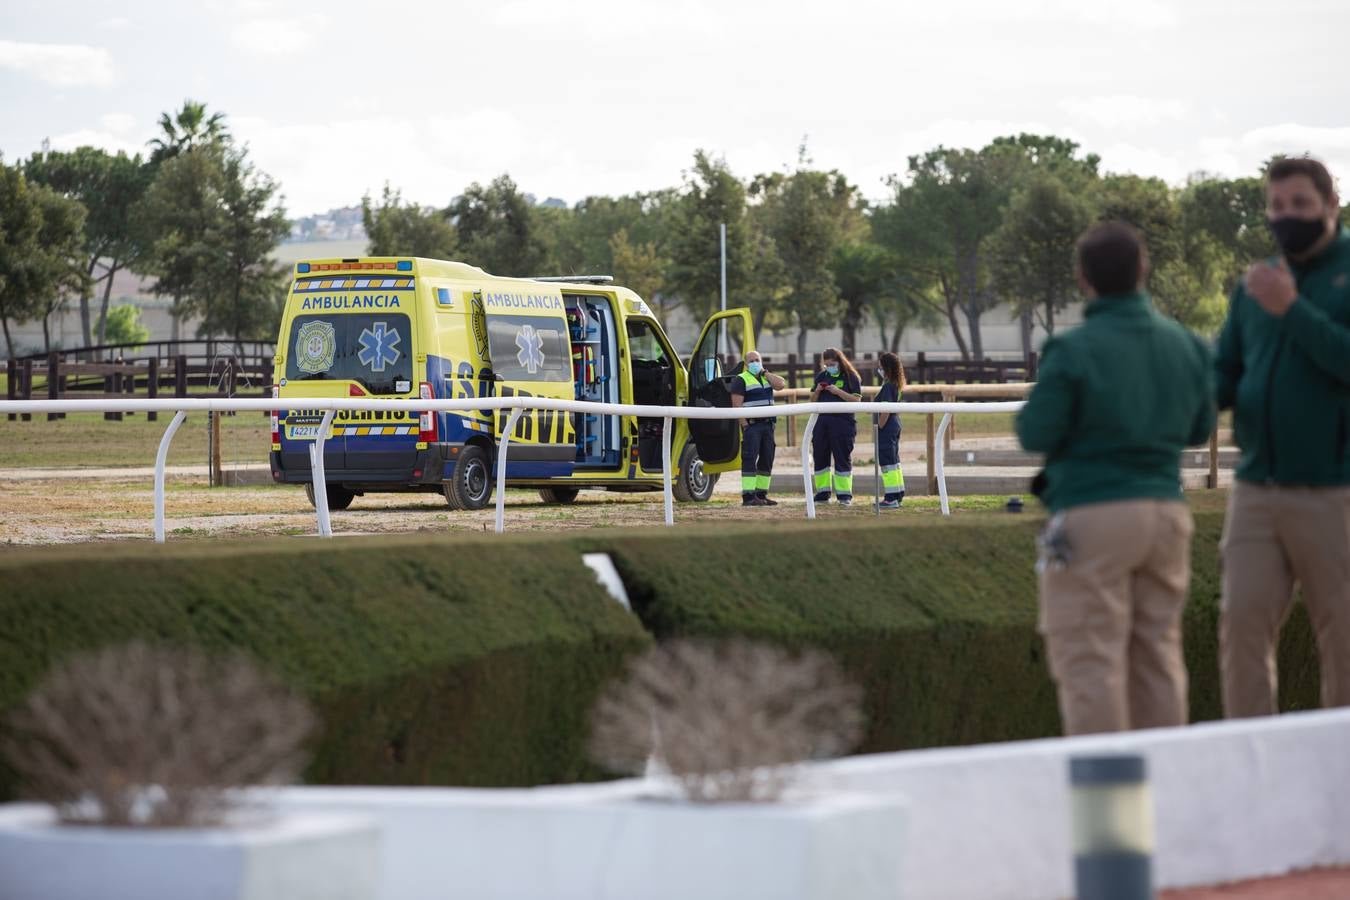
338 496
558 494
470 484
692 482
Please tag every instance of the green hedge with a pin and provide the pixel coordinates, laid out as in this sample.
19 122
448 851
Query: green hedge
475 660
430 661
936 618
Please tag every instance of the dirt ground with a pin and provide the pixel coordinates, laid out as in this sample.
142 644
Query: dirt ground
1322 884
119 507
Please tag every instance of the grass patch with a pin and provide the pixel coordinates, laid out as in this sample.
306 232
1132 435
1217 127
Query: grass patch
88 440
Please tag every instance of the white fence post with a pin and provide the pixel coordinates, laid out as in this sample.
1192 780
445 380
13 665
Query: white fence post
318 480
665 470
501 467
807 481
939 457
162 456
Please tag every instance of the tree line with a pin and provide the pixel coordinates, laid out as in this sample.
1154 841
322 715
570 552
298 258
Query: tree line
959 232
193 215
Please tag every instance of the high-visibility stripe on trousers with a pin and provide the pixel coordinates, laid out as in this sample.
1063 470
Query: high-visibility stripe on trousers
888 458
893 481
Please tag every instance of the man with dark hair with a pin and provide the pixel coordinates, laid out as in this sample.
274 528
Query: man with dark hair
1284 368
1115 402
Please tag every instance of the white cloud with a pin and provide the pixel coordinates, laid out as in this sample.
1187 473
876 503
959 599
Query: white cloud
278 36
115 23
1128 111
117 123
64 65
93 137
1125 158
1291 138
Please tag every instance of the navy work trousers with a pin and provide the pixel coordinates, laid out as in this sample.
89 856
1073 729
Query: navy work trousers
832 441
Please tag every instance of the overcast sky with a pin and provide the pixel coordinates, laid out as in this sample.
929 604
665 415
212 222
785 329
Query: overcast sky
579 97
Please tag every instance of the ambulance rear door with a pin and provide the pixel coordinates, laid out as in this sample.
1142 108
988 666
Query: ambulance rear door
530 356
726 335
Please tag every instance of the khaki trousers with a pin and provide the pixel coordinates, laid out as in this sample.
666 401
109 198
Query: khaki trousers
1112 615
1273 537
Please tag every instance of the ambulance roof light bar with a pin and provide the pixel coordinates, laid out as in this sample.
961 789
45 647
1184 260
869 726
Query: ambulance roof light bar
576 279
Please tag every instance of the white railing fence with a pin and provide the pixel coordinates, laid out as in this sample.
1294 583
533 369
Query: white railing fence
517 405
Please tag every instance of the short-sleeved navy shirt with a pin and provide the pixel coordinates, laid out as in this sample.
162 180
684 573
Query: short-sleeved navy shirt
845 381
889 393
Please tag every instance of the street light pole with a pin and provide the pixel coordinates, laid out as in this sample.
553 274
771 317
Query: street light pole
722 234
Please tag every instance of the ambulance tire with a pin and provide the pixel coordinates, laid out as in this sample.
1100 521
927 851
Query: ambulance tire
338 496
558 494
471 482
691 482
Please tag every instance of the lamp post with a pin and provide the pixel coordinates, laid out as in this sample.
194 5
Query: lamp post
1112 827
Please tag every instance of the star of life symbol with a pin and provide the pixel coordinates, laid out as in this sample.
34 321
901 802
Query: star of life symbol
315 346
531 344
379 347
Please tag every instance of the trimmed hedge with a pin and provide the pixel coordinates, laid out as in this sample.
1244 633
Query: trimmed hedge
475 660
937 619
471 662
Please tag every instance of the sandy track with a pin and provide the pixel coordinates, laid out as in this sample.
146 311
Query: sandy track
60 510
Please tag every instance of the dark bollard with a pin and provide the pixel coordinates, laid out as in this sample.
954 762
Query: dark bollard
1112 828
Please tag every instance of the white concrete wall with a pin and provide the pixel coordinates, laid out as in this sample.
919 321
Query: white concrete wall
1233 800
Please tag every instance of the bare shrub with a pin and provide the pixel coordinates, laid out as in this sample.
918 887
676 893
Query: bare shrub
729 721
155 737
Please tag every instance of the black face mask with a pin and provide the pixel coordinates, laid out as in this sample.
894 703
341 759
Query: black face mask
1296 235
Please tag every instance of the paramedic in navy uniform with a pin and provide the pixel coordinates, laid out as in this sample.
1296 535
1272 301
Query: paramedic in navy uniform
835 432
755 387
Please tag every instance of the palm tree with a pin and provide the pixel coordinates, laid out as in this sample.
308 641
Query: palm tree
188 128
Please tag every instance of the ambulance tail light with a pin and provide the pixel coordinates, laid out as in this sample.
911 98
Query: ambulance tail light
426 425
276 417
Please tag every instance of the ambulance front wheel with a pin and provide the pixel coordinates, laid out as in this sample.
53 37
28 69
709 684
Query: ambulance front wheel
692 483
338 496
558 494
470 484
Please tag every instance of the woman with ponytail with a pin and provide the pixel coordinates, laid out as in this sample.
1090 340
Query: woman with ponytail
888 432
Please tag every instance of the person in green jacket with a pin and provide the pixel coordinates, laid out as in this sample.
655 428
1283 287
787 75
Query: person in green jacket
1116 401
1284 368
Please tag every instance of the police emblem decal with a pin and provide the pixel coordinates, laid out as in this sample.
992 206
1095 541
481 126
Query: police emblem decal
315 347
379 347
531 344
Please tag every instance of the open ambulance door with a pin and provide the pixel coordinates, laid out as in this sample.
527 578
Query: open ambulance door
727 335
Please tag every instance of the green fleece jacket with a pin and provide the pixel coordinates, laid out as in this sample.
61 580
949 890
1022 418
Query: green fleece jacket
1287 379
1116 400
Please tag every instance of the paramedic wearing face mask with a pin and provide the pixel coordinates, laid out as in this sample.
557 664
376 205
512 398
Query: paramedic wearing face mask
835 432
754 387
1284 369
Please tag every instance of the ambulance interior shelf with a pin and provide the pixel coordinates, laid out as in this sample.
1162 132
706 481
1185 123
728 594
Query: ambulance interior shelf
590 323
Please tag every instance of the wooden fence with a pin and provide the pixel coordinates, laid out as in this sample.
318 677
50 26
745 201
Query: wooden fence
154 369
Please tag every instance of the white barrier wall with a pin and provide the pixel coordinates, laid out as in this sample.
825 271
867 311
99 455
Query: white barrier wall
1233 800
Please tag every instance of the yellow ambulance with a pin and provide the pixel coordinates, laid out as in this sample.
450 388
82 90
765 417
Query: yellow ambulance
404 328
